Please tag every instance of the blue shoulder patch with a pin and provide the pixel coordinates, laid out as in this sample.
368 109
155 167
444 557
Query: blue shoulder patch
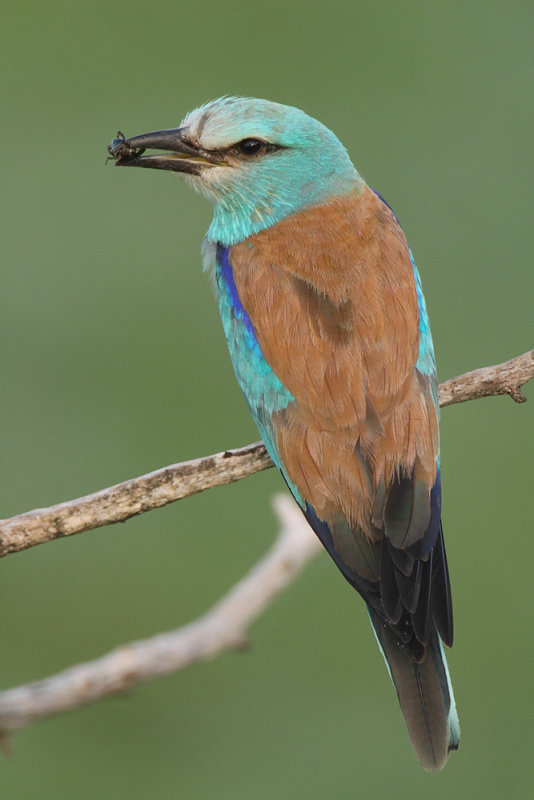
426 362
264 392
227 279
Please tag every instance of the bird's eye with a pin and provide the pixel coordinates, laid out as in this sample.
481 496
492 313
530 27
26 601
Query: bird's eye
251 147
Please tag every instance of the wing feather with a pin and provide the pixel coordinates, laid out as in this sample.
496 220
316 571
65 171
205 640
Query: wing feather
334 305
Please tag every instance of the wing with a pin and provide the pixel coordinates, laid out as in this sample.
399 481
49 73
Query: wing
329 338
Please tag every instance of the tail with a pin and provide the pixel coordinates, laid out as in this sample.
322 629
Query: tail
425 695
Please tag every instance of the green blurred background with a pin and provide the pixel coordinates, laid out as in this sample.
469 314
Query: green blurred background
114 364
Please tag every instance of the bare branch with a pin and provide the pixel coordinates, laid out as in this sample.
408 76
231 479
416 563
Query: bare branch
222 628
119 503
506 378
124 500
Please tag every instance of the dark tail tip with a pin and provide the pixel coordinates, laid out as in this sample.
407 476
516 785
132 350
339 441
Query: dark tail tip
425 696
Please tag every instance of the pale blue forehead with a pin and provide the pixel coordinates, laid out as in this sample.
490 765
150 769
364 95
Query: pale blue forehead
223 122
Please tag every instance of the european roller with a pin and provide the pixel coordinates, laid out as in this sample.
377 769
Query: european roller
326 324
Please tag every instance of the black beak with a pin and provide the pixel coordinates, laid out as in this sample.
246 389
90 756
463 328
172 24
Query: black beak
182 155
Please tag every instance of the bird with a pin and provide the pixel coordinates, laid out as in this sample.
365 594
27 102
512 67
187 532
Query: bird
326 324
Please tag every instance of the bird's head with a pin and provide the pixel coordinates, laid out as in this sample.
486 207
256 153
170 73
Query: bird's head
257 161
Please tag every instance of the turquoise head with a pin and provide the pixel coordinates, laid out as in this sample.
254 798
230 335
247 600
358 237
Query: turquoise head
257 161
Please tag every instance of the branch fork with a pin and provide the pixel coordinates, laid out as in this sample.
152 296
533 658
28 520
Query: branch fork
224 627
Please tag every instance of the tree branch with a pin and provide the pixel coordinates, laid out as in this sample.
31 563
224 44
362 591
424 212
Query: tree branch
124 500
221 628
506 378
224 626
119 503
